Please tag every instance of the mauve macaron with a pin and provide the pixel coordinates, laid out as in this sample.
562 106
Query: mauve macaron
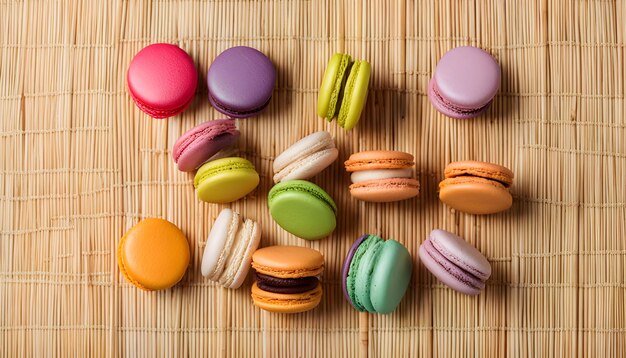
162 80
240 82
464 83
202 142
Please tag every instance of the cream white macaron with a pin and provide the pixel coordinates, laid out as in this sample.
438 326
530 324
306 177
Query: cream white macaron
229 248
305 158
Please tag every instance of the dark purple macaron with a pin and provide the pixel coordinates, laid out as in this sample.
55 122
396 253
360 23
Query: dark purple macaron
346 266
241 81
286 285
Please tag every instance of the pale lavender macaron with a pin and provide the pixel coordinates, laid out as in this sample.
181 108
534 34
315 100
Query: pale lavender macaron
240 82
202 142
455 262
465 81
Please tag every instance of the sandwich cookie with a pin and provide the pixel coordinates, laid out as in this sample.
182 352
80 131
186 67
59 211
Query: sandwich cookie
240 82
476 187
343 91
225 180
465 81
162 80
382 176
303 209
153 255
455 262
202 142
287 278
376 274
305 158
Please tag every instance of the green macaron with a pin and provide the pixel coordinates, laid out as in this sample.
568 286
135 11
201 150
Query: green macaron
378 274
343 91
225 180
303 209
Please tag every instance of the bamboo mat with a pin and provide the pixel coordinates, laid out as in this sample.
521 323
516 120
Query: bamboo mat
81 164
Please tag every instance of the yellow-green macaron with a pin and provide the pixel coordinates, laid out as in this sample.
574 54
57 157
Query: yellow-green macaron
225 180
343 91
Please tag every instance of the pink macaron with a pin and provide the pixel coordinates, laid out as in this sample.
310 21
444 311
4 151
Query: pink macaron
455 262
202 142
162 80
465 81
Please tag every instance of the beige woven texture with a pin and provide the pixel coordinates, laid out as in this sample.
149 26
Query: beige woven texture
81 164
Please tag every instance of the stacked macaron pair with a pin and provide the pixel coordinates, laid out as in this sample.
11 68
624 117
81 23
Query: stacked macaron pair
297 205
162 80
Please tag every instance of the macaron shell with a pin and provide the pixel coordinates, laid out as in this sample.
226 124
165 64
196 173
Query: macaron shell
303 209
288 261
467 76
330 88
378 159
480 169
241 81
303 148
461 253
223 227
448 108
308 167
443 273
391 277
162 79
225 180
154 253
474 195
355 95
345 270
355 264
286 303
385 190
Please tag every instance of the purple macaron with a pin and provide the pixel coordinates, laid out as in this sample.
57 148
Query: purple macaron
455 262
241 81
465 81
346 266
202 142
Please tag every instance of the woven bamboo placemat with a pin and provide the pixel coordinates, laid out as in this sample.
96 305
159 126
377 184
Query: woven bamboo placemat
81 164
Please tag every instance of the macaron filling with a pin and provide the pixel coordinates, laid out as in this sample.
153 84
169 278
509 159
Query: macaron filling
347 99
377 174
340 83
285 285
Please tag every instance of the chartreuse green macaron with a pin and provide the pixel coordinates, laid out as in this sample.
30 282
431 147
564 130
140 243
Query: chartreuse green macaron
343 91
225 180
376 274
303 209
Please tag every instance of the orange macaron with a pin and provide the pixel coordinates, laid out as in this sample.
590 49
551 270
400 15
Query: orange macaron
476 187
382 176
153 255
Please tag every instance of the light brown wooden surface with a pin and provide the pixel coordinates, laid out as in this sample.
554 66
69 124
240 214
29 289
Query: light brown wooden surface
81 164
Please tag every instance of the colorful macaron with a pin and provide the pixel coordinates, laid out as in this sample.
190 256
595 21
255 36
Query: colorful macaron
382 176
343 91
229 248
306 158
162 80
455 262
376 274
287 278
225 180
153 255
202 142
241 81
476 187
464 83
303 209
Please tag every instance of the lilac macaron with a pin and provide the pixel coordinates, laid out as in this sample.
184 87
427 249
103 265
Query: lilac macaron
202 142
241 81
465 81
455 262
